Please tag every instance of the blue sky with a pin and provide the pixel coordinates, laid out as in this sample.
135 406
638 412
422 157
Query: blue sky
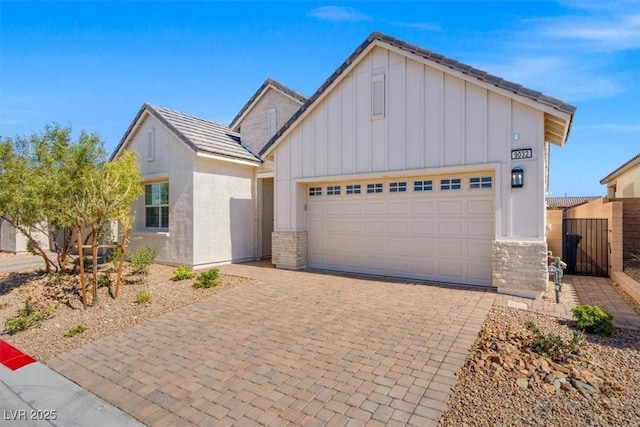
93 64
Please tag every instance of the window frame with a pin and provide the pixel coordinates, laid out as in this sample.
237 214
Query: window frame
160 206
352 189
334 190
375 187
398 187
480 182
423 185
315 191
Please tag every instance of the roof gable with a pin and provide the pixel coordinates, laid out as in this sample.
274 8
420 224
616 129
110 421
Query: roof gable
634 161
268 84
569 202
199 134
558 114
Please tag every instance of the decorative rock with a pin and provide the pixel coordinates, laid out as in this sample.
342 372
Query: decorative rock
495 367
548 388
566 385
522 383
556 384
549 378
582 386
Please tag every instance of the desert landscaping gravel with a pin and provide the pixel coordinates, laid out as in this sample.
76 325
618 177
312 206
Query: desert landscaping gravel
104 318
504 384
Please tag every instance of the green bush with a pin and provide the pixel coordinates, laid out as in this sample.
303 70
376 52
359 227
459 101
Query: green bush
28 316
113 256
75 331
553 346
142 258
143 297
207 279
593 319
183 272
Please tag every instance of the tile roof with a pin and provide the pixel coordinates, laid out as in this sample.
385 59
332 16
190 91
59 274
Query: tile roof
568 202
268 82
199 134
635 159
427 54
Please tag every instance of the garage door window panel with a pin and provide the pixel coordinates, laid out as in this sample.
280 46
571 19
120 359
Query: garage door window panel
423 185
480 182
374 188
354 189
398 187
315 191
333 190
450 184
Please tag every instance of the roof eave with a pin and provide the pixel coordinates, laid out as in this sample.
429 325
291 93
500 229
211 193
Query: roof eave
634 161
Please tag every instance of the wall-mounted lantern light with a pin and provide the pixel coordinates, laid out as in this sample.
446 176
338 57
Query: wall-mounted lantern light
517 177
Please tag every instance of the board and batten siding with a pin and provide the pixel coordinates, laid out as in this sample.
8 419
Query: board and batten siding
432 120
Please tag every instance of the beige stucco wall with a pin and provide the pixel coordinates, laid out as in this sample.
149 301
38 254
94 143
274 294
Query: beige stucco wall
223 212
554 231
627 184
612 211
173 161
254 127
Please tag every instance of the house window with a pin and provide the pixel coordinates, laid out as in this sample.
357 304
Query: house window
480 182
374 188
156 205
398 187
377 96
353 189
315 191
271 117
450 184
333 190
422 185
151 144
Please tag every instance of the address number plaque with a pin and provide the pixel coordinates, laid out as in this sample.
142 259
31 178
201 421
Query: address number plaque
525 153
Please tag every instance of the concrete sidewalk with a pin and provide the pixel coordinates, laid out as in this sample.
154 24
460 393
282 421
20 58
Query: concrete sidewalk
22 263
35 395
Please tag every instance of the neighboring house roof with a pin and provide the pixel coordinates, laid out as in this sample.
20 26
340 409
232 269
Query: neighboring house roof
199 134
635 160
269 83
568 202
556 131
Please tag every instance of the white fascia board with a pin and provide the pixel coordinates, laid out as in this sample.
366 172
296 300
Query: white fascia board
228 159
402 173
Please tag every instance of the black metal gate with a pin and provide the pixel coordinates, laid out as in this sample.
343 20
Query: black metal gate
585 246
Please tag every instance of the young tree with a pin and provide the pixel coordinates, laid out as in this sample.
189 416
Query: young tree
106 196
41 177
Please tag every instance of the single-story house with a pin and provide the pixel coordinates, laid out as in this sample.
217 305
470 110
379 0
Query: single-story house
624 182
404 163
208 196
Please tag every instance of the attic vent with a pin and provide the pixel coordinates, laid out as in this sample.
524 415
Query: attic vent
271 116
151 144
377 96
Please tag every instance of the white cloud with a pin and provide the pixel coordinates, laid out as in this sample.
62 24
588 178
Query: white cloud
422 26
338 13
558 76
611 33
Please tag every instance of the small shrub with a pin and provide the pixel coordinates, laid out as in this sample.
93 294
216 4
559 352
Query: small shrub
27 316
183 272
553 346
104 280
593 319
142 297
75 331
207 279
87 262
142 258
113 256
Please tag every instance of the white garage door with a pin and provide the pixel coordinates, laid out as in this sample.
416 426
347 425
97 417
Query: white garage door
431 228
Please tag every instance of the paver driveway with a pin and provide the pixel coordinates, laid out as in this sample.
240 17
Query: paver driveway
290 347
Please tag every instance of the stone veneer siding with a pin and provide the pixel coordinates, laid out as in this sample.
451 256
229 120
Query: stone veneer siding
289 249
520 268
